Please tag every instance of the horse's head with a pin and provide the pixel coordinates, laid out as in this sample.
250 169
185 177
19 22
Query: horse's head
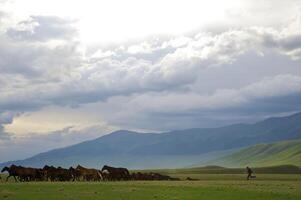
105 167
5 169
46 167
79 167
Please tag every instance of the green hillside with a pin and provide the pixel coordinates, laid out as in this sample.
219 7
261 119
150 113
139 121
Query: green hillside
279 153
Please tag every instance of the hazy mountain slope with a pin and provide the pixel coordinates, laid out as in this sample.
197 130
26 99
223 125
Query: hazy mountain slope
171 149
279 153
130 161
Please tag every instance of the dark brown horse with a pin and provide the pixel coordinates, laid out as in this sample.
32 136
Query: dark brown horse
117 173
11 172
106 176
23 173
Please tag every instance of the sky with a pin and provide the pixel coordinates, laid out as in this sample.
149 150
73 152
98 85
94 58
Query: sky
71 71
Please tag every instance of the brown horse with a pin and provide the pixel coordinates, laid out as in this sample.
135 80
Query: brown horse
32 174
50 172
89 174
64 174
23 173
75 173
57 174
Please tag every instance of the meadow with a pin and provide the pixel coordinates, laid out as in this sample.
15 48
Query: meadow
209 186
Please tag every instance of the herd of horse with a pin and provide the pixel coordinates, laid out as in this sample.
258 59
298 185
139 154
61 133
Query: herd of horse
80 173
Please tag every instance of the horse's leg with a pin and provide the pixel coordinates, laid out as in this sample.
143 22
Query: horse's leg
15 179
8 177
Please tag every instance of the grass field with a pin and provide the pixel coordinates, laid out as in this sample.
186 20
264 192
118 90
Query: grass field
210 186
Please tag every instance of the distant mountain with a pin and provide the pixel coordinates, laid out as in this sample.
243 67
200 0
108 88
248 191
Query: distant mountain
171 149
279 153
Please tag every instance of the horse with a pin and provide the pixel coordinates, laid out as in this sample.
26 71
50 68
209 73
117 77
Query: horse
31 174
40 175
106 176
89 174
75 173
11 172
117 173
23 173
57 174
64 174
50 172
139 176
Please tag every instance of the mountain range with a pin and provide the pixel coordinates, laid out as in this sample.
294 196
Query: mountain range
171 149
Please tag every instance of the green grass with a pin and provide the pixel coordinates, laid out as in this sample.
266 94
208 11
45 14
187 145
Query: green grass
279 153
210 187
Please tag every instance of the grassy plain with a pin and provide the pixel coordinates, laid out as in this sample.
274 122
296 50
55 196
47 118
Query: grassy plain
209 187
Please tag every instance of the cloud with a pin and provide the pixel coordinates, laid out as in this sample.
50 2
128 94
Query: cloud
61 75
287 41
43 28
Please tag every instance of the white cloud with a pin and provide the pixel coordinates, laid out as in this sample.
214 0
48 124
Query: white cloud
72 80
43 28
